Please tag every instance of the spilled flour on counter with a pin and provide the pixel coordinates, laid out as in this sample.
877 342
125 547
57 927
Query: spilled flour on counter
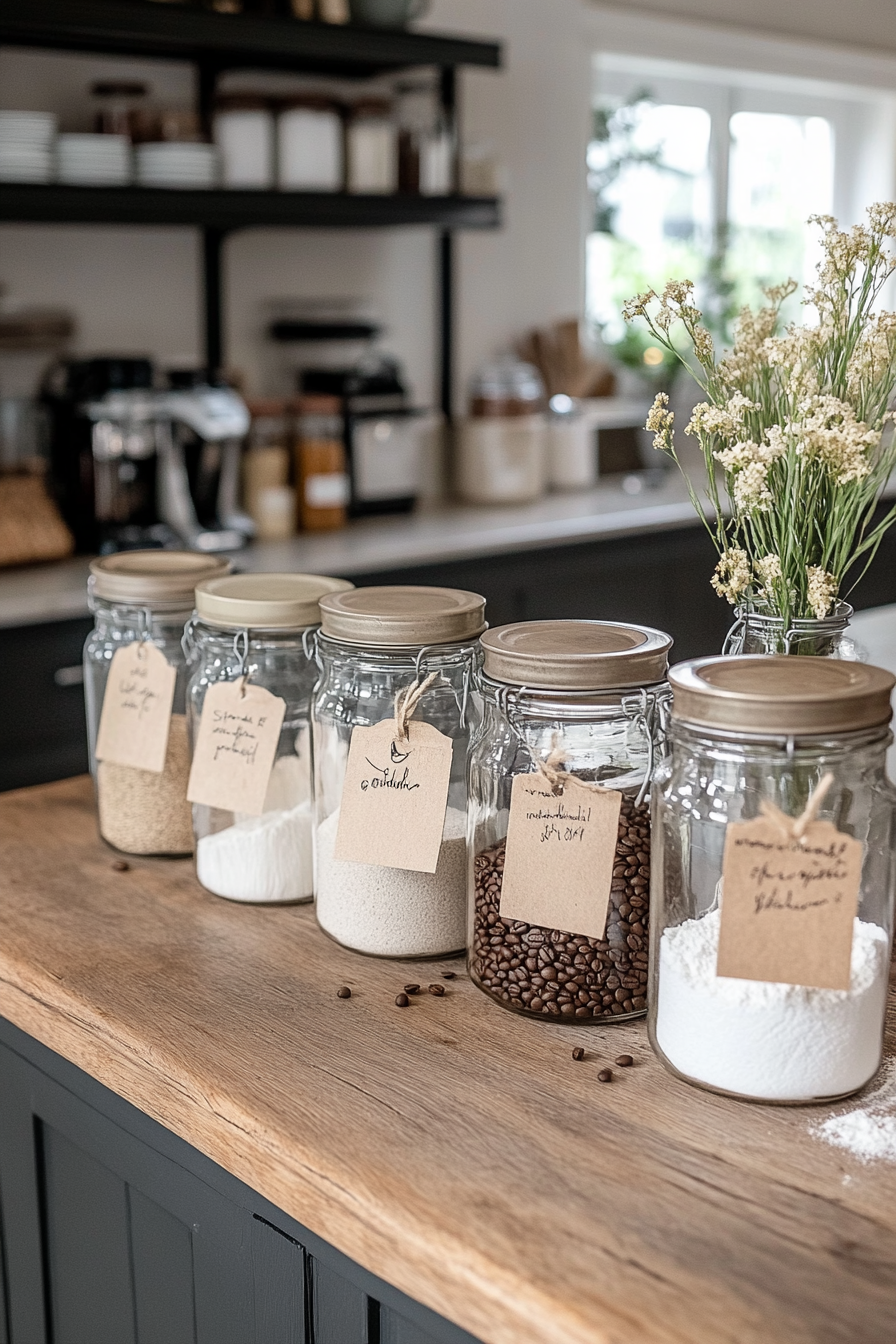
868 1132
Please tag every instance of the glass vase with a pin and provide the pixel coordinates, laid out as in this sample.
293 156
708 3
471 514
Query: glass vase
756 631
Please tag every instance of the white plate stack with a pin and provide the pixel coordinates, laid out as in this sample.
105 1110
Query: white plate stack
177 164
94 160
26 146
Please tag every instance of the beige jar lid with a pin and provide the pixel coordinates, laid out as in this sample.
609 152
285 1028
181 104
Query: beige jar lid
755 693
161 580
402 616
576 655
264 601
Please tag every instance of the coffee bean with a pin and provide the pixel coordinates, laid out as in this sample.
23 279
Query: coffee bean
605 1076
578 1053
401 1000
448 975
624 1061
553 973
412 989
438 990
344 992
120 866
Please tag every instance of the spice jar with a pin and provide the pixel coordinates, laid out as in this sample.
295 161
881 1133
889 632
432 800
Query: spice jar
251 630
141 598
268 498
559 774
323 482
376 891
772 888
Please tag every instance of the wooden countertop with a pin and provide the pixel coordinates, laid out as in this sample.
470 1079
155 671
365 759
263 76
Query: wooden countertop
449 1147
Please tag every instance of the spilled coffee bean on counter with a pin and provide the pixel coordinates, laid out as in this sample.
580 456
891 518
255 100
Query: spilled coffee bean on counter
412 989
578 1053
552 973
448 975
402 1000
438 990
343 992
605 1076
624 1061
120 866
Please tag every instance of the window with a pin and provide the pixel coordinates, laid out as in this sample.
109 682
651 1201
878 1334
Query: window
712 174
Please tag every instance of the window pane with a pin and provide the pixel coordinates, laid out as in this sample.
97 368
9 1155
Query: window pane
781 170
658 211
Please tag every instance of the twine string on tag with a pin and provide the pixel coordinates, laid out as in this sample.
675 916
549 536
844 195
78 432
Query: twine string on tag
241 651
794 828
556 777
406 702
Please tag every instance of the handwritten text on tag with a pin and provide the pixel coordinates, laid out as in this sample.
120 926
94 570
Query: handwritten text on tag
136 711
394 797
235 747
788 905
558 864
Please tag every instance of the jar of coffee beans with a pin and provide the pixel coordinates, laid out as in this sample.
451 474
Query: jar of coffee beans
140 601
559 778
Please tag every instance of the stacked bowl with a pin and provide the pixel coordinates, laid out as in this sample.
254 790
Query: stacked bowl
94 160
177 164
26 146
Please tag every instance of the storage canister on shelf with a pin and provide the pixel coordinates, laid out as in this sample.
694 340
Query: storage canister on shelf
309 144
502 448
268 497
393 714
244 134
772 891
371 142
558 816
140 601
321 475
249 651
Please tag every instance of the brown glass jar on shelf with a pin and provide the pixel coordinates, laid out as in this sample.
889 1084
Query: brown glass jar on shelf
559 824
323 483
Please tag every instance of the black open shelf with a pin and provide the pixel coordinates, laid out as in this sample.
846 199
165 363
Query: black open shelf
236 209
228 41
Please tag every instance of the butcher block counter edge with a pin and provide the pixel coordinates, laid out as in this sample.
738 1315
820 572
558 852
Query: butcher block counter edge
450 1148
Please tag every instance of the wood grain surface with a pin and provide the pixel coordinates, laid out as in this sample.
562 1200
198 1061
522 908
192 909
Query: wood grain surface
451 1148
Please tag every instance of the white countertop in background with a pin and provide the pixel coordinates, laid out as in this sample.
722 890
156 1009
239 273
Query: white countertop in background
437 534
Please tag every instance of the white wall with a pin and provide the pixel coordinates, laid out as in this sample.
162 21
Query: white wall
138 289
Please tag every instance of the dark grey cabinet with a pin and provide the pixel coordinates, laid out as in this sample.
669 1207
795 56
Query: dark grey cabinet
114 1231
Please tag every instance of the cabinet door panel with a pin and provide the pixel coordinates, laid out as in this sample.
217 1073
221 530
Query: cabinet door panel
163 1273
340 1309
87 1242
278 1271
395 1329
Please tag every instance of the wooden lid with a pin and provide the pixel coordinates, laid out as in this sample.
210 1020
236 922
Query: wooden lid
161 580
576 655
264 601
402 616
755 693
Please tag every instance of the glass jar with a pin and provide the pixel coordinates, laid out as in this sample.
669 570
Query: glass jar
371 142
143 595
324 487
587 695
257 626
756 631
244 134
745 733
373 643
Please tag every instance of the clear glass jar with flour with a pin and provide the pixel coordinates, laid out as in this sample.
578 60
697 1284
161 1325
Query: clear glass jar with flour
140 600
249 638
773 877
560 774
393 714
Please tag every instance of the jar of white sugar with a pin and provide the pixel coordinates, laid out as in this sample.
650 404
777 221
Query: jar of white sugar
773 877
135 687
393 714
252 673
560 775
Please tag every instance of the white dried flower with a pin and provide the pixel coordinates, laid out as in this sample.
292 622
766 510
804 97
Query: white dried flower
768 569
661 421
637 306
732 576
821 591
751 492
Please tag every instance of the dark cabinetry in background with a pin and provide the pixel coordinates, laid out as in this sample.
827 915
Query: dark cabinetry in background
113 1231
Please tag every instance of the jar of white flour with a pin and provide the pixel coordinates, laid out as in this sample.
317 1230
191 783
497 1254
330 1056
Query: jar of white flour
392 719
773 877
252 631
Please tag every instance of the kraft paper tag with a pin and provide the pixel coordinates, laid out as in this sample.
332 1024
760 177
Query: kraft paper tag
235 747
558 864
136 711
788 905
394 797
